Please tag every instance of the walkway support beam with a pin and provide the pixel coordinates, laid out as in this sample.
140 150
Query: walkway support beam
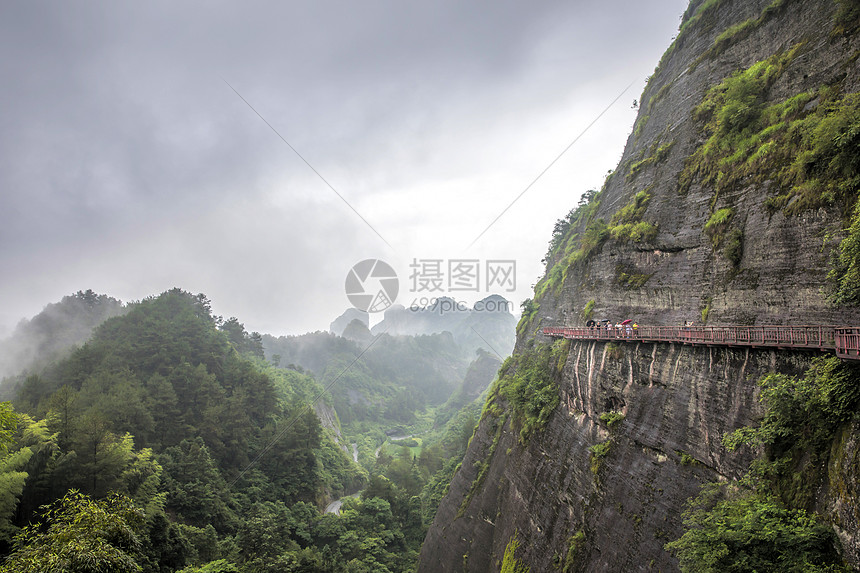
843 340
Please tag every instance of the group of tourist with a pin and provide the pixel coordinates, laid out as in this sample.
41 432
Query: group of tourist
626 328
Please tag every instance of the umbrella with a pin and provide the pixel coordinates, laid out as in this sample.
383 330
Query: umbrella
628 321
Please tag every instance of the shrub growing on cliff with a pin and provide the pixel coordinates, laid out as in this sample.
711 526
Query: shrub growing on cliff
574 544
627 224
628 277
762 523
588 310
575 240
596 454
656 155
802 416
717 225
741 31
583 211
845 274
802 412
641 232
529 311
734 250
611 418
735 530
529 383
807 146
510 564
847 18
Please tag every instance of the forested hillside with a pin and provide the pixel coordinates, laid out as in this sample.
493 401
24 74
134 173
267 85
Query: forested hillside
167 442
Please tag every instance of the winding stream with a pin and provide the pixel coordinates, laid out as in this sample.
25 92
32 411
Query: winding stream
334 507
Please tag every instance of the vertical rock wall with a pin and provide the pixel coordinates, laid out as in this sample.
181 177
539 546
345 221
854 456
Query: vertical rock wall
570 514
677 402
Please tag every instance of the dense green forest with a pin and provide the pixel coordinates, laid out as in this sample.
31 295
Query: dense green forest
168 442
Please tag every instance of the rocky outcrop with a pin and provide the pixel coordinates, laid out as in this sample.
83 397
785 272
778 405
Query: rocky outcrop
839 498
784 262
677 402
339 324
582 495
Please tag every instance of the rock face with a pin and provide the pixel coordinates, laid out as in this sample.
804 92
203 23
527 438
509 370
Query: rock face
572 513
677 403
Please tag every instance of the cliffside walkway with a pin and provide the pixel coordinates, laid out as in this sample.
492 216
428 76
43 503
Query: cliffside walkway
844 340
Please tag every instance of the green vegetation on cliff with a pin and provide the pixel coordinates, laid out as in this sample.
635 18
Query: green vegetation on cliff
656 154
718 224
735 530
802 417
528 382
596 454
741 31
741 126
844 277
627 224
510 564
697 15
765 521
581 234
574 240
847 19
805 147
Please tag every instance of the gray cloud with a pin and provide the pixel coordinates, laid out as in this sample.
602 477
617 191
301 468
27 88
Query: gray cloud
128 166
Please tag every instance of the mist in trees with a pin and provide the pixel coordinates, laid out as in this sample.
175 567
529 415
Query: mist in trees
165 440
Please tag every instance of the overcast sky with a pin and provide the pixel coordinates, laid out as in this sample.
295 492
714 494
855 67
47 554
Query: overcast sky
129 166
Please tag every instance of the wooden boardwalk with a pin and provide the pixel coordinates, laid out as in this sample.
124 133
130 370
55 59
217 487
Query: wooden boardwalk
843 340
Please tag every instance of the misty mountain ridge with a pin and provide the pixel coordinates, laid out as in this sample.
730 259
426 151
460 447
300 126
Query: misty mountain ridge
53 332
489 324
339 324
69 323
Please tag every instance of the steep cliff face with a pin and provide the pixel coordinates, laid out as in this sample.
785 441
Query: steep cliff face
677 404
724 209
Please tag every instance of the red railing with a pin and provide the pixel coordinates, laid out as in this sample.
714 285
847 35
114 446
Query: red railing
844 340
